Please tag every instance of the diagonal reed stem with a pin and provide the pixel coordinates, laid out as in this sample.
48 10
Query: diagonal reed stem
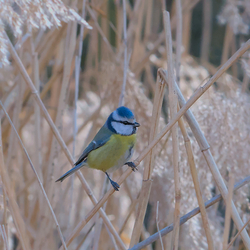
37 176
61 142
187 216
196 183
198 93
205 149
149 165
14 209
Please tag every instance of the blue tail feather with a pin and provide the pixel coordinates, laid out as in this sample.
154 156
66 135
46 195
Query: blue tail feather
71 171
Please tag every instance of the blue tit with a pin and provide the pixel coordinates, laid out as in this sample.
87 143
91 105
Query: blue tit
112 147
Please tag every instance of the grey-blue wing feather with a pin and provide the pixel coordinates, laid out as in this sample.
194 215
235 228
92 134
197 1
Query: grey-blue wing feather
99 140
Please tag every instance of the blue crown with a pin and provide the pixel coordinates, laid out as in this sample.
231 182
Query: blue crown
125 112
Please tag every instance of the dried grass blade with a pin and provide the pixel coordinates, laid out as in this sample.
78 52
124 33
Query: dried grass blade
149 164
178 39
173 110
187 217
4 236
125 63
228 212
157 224
38 179
196 184
62 143
209 158
234 238
14 209
181 112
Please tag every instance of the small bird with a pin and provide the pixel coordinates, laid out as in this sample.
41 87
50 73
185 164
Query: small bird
112 147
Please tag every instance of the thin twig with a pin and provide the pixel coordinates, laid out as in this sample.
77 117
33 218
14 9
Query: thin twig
37 176
179 114
173 110
228 212
234 238
2 229
14 209
205 150
62 143
196 183
178 40
149 164
157 224
187 217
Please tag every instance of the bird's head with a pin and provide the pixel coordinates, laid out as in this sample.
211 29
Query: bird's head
122 121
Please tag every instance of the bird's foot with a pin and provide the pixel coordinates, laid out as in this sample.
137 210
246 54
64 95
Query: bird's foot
115 185
132 165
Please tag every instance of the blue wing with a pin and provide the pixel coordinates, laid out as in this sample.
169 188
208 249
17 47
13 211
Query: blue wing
100 139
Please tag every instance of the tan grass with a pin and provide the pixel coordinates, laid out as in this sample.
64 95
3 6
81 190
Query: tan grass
58 85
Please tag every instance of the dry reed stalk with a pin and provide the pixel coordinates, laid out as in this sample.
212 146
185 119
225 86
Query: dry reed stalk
130 212
234 238
77 76
53 151
245 83
148 19
187 18
187 216
57 74
70 49
186 9
37 176
178 39
228 212
4 218
50 48
206 31
226 45
16 112
125 63
157 224
194 174
38 140
104 38
85 236
205 148
196 130
61 142
233 49
133 20
149 164
4 236
14 209
173 99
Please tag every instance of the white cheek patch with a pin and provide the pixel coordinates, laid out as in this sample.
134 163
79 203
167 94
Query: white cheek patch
122 129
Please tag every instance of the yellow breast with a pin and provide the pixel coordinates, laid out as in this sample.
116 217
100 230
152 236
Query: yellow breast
113 153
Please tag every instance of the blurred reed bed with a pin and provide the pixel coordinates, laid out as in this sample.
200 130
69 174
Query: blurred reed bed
77 76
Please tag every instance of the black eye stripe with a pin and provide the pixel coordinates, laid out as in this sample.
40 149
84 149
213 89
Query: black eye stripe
124 122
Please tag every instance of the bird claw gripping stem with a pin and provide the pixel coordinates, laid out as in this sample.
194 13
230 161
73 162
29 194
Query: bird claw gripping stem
132 165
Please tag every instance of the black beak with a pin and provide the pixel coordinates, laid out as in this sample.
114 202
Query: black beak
137 124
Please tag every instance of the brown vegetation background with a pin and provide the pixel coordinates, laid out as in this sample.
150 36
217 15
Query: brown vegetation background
53 65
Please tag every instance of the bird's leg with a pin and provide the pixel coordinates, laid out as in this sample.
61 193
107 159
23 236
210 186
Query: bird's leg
132 165
113 183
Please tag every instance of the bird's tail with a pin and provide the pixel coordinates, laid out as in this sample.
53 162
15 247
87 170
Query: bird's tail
71 171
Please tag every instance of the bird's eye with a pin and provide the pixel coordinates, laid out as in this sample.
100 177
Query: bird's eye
125 122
